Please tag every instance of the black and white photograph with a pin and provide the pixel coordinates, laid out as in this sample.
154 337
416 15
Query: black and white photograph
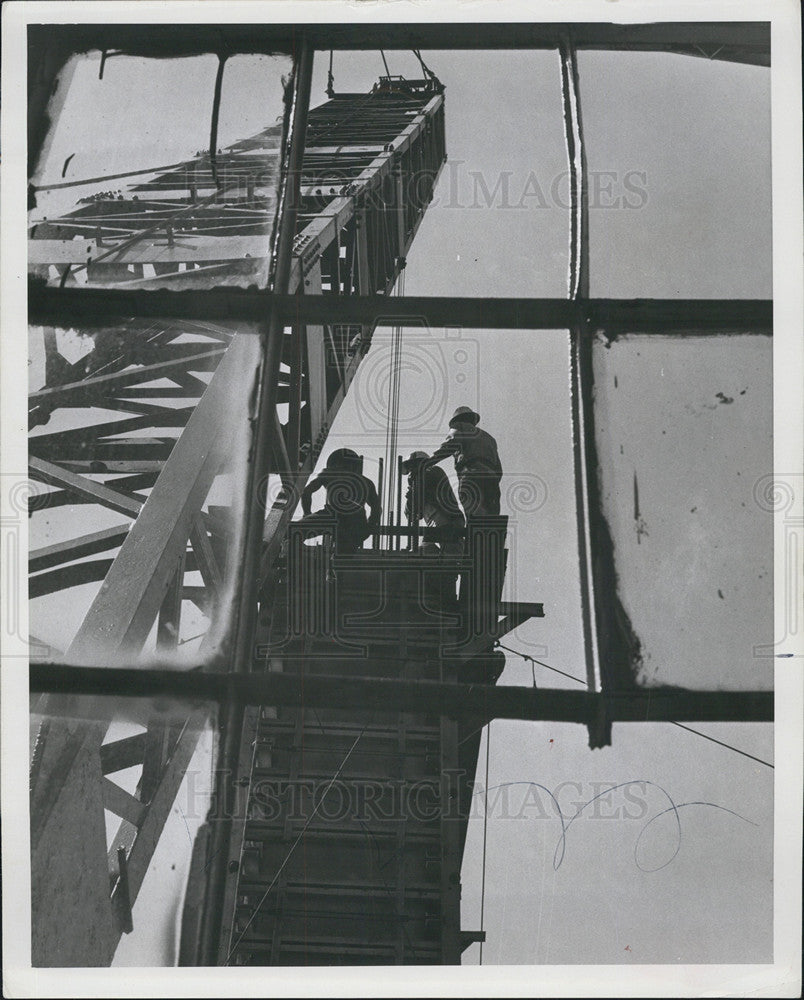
402 498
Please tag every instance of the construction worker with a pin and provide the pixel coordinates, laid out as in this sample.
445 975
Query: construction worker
431 497
348 492
476 462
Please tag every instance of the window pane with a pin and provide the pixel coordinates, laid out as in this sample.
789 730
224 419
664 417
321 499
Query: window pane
138 449
678 153
684 437
487 370
127 193
133 777
498 222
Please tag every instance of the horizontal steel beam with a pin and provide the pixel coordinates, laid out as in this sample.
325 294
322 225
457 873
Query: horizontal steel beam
615 315
430 697
745 40
92 307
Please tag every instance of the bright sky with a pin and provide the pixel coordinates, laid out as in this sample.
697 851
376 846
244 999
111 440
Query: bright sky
692 138
683 210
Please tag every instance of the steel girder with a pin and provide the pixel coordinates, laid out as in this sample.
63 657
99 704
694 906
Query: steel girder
134 367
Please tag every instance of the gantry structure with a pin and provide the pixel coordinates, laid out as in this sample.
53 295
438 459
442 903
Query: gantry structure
230 300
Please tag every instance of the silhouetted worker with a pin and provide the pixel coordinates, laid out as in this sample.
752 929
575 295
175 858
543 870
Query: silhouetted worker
431 497
348 494
476 462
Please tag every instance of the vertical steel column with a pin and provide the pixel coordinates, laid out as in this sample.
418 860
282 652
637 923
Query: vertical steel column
578 277
449 804
364 285
399 498
295 397
377 543
400 214
581 372
225 800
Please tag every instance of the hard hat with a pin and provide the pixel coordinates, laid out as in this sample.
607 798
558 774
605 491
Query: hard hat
414 458
464 413
342 458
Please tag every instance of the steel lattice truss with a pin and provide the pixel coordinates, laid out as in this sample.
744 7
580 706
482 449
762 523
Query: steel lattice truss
156 395
207 221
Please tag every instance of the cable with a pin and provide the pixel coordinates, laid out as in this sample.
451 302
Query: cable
532 659
295 844
722 744
485 838
392 422
425 68
672 722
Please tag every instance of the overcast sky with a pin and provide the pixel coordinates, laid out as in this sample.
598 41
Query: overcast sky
693 136
681 151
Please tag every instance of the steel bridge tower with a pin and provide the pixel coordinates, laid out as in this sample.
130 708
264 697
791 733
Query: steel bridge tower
374 890
225 304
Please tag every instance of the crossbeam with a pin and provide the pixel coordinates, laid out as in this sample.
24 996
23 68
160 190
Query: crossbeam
430 697
88 306
77 548
48 472
747 41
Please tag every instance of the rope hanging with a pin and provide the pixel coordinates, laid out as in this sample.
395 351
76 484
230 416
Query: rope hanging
392 418
428 73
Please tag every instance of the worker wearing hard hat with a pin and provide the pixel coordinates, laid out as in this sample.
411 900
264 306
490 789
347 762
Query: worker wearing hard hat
348 493
477 463
431 497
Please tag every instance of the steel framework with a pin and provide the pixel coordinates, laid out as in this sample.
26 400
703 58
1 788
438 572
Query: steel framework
306 300
181 229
